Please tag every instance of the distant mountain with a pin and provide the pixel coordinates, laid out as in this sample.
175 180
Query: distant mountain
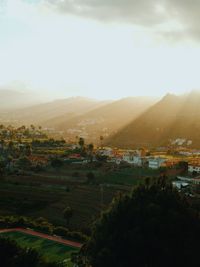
11 99
104 120
172 118
55 110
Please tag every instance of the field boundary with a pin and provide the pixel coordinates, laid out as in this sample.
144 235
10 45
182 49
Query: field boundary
45 236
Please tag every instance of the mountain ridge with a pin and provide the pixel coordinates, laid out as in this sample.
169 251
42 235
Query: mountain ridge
170 118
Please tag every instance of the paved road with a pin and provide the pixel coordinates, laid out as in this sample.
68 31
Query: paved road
41 235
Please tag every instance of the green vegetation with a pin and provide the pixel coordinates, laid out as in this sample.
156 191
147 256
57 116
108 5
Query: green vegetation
67 214
58 188
41 225
153 226
126 176
48 192
42 197
13 255
50 250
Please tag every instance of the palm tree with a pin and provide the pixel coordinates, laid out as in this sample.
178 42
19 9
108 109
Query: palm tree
81 143
101 141
90 149
32 127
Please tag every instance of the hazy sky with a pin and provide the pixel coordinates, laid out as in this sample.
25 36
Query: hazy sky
100 48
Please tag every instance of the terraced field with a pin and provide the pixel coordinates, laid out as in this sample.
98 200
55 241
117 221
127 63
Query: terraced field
47 194
50 201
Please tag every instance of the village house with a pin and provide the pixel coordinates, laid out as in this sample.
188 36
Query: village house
132 157
156 163
105 151
194 167
129 157
138 161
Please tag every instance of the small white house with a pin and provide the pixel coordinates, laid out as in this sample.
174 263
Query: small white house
106 151
156 163
138 161
128 157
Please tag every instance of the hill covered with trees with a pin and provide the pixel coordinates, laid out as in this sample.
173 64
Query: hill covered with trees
153 226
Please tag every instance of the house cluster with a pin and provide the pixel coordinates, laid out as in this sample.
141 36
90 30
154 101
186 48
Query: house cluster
141 158
194 166
144 161
138 158
181 142
189 152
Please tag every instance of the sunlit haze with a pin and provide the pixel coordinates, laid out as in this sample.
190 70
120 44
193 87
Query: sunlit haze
64 48
99 133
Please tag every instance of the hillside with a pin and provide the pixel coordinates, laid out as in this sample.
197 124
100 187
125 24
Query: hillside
13 99
171 118
68 108
104 120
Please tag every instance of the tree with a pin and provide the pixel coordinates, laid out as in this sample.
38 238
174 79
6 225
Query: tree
153 226
28 150
194 173
101 138
102 158
10 147
81 143
32 127
2 166
2 143
24 163
56 163
12 255
183 165
90 177
67 214
9 160
90 149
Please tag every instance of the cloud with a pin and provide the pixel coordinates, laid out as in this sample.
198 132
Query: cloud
173 19
139 12
187 12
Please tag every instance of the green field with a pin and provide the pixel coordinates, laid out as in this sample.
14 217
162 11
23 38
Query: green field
50 201
50 250
46 194
127 176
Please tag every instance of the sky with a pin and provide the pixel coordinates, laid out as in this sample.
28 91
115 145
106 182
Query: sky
106 49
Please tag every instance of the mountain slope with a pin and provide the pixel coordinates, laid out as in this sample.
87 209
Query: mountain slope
53 110
172 117
11 99
106 119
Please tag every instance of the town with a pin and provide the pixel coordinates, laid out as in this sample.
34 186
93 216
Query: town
30 149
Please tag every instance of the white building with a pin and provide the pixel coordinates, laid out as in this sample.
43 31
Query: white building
106 151
128 157
156 163
138 161
194 168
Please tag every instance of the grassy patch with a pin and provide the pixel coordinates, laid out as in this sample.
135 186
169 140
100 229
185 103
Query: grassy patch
50 250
